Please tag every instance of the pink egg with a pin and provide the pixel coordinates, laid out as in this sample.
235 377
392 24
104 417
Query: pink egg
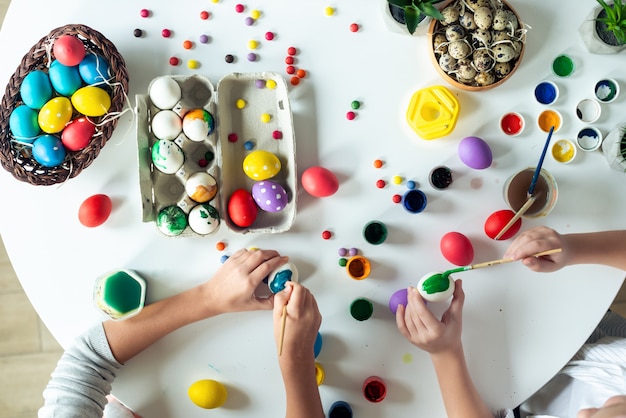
319 181
241 208
475 153
68 50
269 196
77 134
457 248
498 220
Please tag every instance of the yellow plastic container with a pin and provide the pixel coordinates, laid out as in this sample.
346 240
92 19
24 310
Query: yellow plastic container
433 112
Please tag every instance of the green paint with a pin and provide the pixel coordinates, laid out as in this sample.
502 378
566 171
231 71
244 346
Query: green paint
563 66
210 213
407 358
436 283
361 309
121 292
171 220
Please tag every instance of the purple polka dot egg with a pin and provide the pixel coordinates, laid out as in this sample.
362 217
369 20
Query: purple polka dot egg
269 196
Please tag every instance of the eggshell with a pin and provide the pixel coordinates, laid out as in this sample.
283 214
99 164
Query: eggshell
261 165
167 156
457 248
36 89
497 220
55 114
165 92
65 80
207 394
203 219
69 50
201 187
241 208
94 69
95 210
436 296
475 153
166 124
171 220
77 134
23 123
48 150
319 181
288 272
91 101
198 124
270 196
399 297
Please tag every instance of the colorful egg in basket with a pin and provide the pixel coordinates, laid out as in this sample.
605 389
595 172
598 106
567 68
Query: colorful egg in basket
35 86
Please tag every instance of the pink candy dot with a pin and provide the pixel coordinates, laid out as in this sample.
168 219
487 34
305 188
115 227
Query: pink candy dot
203 162
354 27
144 13
239 8
232 137
269 36
166 33
174 61
350 115
277 135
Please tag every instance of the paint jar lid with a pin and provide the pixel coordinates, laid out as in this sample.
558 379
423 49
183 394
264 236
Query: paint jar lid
320 374
361 309
375 232
340 409
433 112
589 138
588 110
358 267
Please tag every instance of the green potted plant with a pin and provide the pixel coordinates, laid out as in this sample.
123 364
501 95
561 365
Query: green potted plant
409 13
614 148
604 30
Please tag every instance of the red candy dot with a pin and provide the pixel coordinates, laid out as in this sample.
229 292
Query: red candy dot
187 44
396 198
204 15
354 27
378 163
381 184
350 115
289 60
166 33
301 73
269 36
232 137
290 69
295 81
144 13
291 50
277 135
239 8
203 162
174 61
326 234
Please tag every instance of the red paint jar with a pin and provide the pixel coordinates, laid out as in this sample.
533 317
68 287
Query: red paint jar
374 389
512 123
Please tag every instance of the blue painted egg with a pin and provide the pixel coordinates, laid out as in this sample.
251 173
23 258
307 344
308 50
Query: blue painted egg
36 89
48 150
65 80
277 279
475 153
270 196
94 69
23 124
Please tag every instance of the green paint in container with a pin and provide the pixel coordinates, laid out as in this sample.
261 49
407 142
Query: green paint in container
120 294
563 66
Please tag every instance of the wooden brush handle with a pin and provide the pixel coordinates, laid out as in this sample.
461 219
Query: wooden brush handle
508 260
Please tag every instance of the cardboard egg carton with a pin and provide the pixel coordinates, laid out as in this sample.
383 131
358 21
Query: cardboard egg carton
159 190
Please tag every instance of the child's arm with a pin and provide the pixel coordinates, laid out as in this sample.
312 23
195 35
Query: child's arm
442 339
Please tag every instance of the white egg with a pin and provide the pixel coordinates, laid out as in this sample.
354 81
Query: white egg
288 272
167 157
201 187
165 92
204 219
166 124
435 296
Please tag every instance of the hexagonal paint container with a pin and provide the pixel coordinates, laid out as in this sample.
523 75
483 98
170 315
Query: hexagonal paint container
120 294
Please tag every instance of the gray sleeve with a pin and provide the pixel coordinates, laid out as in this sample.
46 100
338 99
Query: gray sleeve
82 378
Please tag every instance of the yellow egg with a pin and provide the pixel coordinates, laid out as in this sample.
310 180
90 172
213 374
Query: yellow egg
207 394
91 101
55 114
261 165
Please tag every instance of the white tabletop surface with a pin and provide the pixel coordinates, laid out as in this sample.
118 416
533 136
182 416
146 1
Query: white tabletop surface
519 327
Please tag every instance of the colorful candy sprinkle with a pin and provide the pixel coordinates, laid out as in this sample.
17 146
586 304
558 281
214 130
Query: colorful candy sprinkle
326 235
166 33
204 15
350 115
187 44
252 57
378 163
396 179
355 104
290 69
220 246
301 73
291 50
354 27
343 262
137 33
269 36
204 39
193 64
239 8
381 184
252 44
270 84
248 21
174 61
240 103
277 135
255 14
229 58
265 118
329 11
144 13
294 81
232 137
396 198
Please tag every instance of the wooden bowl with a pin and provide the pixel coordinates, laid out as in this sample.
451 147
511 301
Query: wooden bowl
436 27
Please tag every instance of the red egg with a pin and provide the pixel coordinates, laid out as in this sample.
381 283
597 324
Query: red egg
319 181
242 209
95 210
77 134
68 50
457 248
498 220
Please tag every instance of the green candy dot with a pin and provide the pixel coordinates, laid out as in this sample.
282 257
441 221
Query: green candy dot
343 262
355 104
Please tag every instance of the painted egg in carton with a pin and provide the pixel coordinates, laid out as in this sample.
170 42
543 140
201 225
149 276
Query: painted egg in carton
208 156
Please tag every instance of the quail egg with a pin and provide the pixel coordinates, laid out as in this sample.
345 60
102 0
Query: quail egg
447 63
450 15
502 69
459 49
467 21
503 53
485 78
483 60
483 17
455 32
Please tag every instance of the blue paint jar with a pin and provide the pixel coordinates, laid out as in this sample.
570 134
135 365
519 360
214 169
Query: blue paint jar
546 92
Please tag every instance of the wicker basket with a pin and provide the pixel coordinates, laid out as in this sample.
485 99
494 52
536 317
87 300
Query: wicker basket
17 158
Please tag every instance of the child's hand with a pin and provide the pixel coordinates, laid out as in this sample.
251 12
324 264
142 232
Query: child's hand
233 286
424 330
536 240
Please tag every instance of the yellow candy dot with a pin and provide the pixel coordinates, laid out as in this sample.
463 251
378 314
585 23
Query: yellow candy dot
215 1
265 118
255 14
193 64
253 248
396 180
253 44
270 84
329 11
241 103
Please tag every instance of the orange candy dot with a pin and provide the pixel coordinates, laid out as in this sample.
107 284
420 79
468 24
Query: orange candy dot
295 81
187 44
220 246
301 73
378 163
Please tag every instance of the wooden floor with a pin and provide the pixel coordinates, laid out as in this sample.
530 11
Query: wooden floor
28 352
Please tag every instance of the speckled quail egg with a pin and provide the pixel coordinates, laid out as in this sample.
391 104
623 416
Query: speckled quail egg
450 15
475 4
466 81
500 19
485 78
459 49
440 43
503 53
482 60
465 70
502 69
455 32
481 38
467 21
483 16
517 46
500 35
447 63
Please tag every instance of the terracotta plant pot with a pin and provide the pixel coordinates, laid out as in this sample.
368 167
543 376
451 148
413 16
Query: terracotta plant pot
598 43
504 70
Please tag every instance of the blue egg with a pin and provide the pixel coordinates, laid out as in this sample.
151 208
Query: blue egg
23 124
94 69
65 80
317 347
280 276
36 89
48 150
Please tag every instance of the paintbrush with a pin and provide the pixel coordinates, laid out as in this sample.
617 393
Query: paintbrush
518 214
533 182
283 318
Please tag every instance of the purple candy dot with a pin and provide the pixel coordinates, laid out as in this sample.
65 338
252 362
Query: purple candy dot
249 21
251 56
353 251
260 84
342 252
204 39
